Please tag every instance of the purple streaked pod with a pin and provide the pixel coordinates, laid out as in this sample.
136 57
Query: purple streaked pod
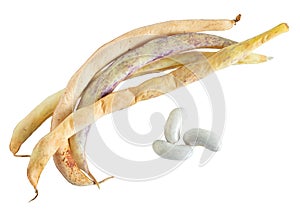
106 80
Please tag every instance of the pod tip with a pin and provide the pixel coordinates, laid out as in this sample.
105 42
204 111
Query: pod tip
284 26
36 195
237 18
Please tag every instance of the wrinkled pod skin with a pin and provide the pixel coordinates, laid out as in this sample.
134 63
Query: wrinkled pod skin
49 144
45 109
106 54
128 64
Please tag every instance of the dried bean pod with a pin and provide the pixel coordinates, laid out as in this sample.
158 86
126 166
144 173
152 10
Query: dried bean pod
127 65
58 137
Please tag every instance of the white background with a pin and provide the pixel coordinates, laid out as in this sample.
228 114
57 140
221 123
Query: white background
257 170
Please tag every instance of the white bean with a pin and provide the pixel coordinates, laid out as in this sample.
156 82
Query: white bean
171 151
173 126
201 137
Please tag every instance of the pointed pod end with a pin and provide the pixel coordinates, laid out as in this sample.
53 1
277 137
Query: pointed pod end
36 195
33 177
13 146
22 156
97 184
93 178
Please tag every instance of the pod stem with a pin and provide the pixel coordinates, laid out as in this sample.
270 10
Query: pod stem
237 18
22 156
105 179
